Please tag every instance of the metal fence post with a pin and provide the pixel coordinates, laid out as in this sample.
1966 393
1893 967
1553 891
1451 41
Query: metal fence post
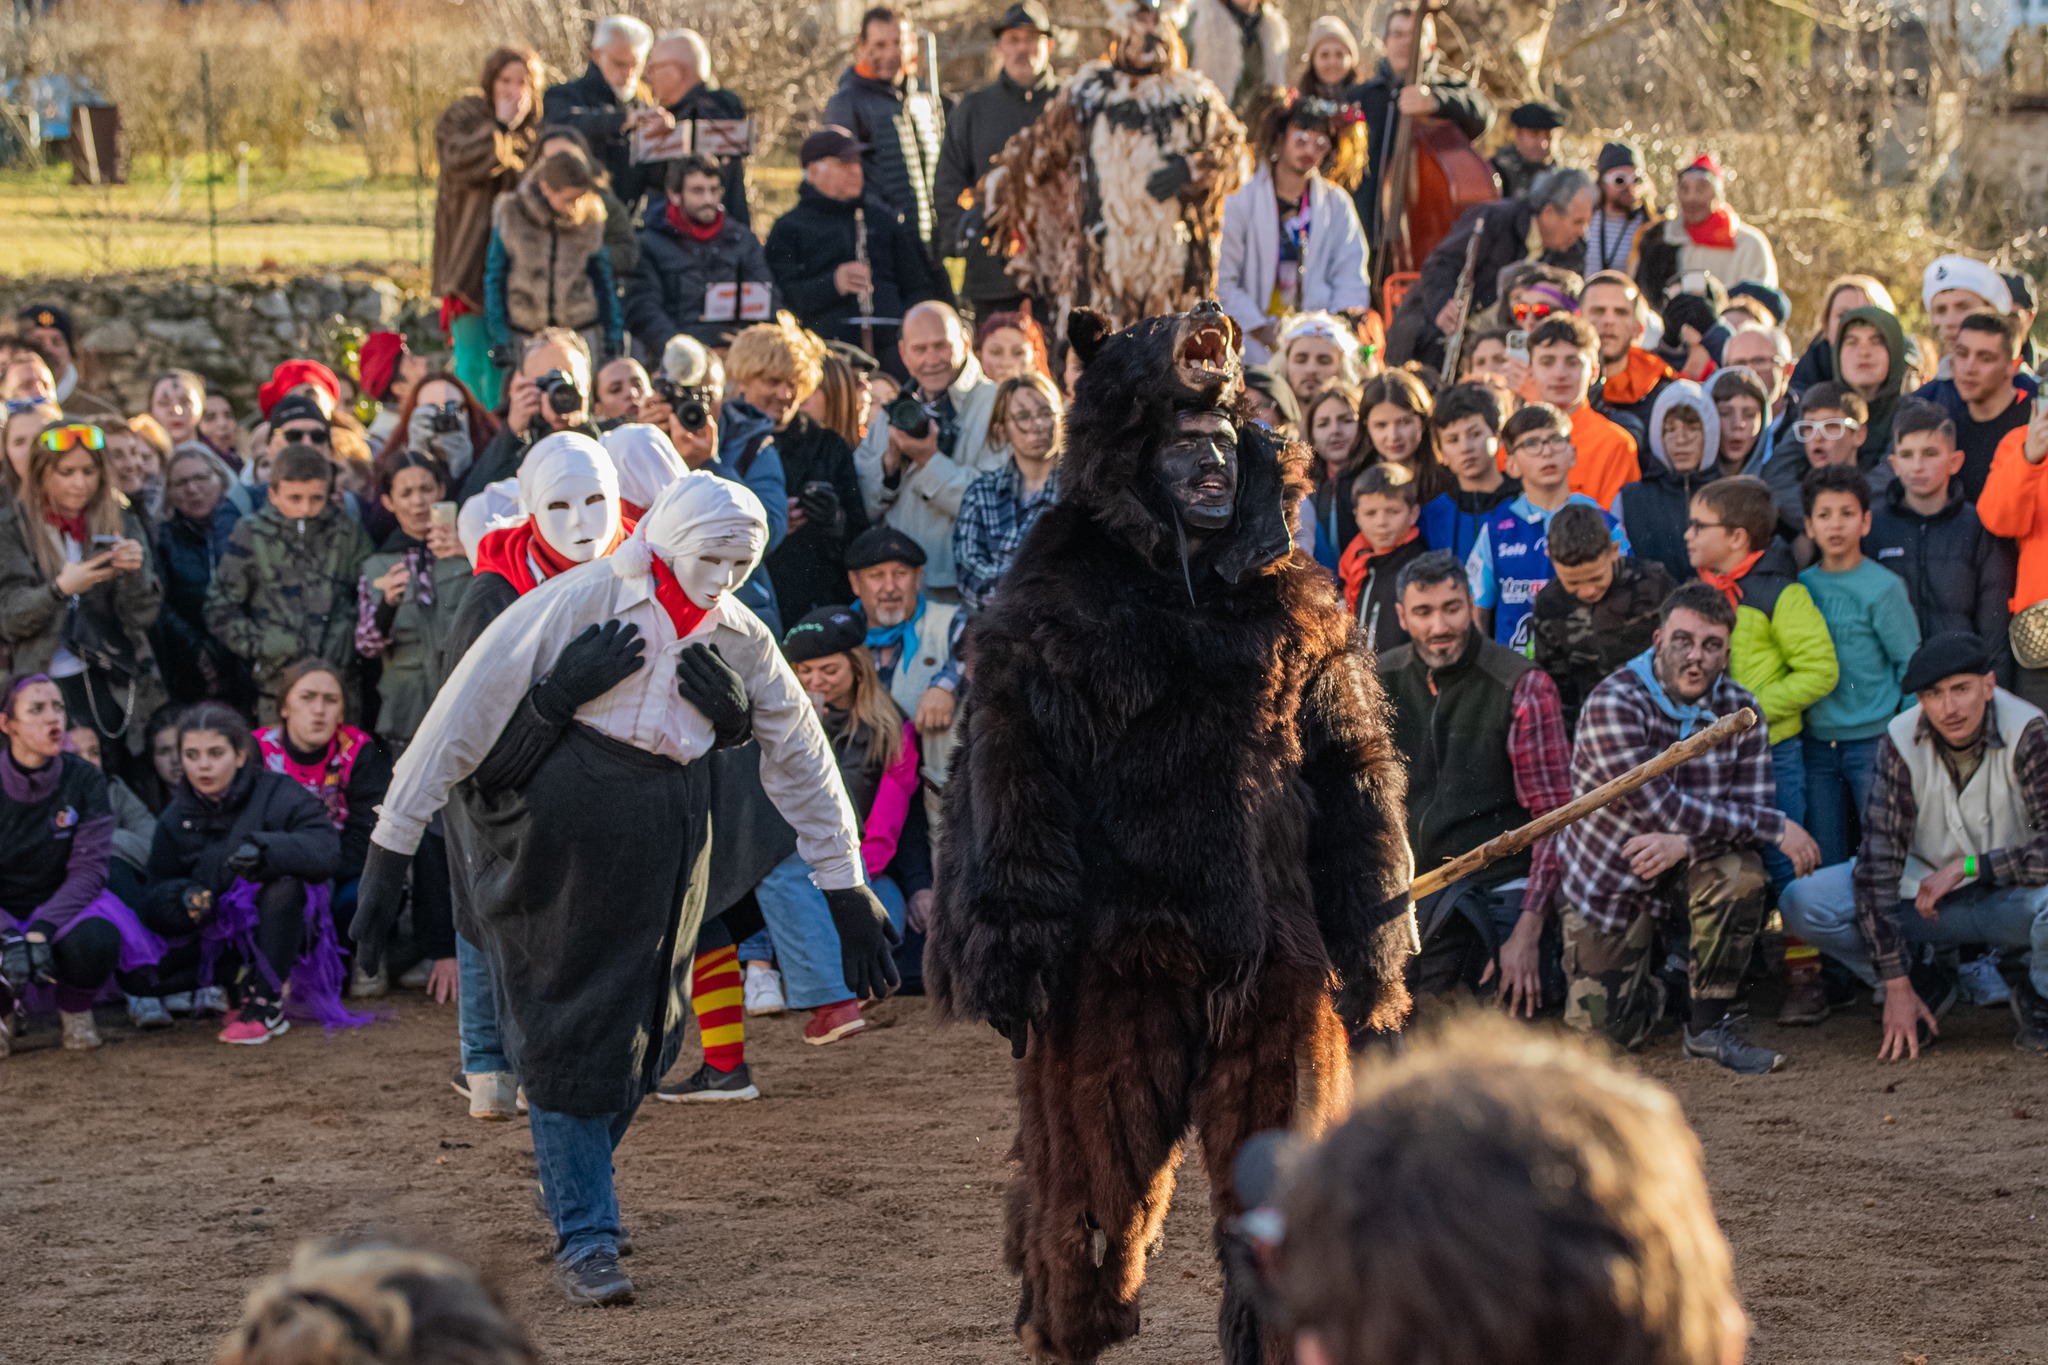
212 210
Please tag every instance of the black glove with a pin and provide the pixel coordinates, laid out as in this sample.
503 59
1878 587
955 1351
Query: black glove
1687 310
42 962
198 904
821 506
502 357
380 895
591 665
245 862
865 939
24 963
706 681
1169 179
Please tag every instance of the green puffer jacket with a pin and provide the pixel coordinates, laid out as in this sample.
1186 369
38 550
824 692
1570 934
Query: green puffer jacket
285 590
1780 648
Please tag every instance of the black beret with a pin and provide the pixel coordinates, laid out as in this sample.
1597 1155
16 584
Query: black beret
1944 656
51 316
296 407
1615 155
828 630
1537 116
883 545
2022 287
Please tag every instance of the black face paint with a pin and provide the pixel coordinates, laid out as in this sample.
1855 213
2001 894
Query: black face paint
1198 470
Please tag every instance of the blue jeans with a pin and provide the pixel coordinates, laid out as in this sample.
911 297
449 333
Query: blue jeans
1838 773
477 1011
800 937
573 1153
1788 770
1822 910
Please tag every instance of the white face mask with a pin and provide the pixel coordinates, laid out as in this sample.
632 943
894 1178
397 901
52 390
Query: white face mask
577 521
709 571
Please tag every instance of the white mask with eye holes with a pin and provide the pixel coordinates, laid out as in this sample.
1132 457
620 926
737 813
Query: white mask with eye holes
711 532
570 487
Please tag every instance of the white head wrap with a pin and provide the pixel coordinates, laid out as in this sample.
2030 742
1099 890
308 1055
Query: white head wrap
1962 272
701 509
647 462
568 462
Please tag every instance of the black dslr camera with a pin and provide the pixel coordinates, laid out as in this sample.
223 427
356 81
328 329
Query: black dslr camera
558 387
686 401
909 416
446 418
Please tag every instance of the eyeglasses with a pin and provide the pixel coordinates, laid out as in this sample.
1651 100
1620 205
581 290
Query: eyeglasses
305 436
1621 178
15 405
1539 443
1032 421
1694 524
1827 428
71 436
1532 312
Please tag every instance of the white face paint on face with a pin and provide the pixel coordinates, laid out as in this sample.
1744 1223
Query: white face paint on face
578 521
709 571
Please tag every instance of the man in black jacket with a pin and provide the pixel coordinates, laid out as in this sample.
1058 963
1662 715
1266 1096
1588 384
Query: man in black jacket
680 79
979 126
604 103
1549 225
899 122
838 256
700 271
1438 93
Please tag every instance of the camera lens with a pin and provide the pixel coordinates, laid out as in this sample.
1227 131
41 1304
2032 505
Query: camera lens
692 414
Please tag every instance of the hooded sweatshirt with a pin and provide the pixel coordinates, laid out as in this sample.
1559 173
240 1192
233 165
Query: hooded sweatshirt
1653 510
1885 405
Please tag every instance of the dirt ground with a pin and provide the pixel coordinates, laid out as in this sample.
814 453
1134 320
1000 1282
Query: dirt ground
1877 1212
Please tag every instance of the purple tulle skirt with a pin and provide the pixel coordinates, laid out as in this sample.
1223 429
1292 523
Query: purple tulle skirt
316 978
139 948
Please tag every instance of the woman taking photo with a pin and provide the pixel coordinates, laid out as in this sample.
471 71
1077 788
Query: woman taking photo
442 418
189 545
1000 507
78 594
59 925
246 854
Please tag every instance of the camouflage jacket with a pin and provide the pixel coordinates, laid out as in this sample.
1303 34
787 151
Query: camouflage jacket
1579 644
285 590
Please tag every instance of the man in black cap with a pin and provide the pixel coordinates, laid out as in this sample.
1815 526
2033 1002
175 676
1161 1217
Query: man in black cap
840 261
911 636
1533 129
1955 849
979 126
1628 204
51 328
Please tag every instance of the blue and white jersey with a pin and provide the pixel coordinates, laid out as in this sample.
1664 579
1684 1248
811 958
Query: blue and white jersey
1510 563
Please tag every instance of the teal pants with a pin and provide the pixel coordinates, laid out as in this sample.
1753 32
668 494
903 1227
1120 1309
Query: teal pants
471 343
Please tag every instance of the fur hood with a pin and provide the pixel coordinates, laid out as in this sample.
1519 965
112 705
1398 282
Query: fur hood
1181 363
534 207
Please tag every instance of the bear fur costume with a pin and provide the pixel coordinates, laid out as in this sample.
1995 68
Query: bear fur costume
1175 870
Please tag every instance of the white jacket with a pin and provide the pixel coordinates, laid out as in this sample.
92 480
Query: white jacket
926 503
1749 261
1334 272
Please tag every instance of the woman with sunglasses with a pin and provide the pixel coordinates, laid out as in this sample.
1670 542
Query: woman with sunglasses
78 590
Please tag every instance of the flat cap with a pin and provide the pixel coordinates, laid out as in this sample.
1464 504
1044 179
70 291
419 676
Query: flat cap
883 545
830 142
1024 14
1537 116
1944 656
828 630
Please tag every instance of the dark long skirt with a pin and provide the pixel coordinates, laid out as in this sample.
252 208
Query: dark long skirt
586 891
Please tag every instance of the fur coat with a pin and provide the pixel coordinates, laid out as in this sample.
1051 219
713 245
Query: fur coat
1068 199
1218 44
547 280
1180 763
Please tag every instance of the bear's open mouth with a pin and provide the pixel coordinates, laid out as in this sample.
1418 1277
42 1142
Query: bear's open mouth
1206 352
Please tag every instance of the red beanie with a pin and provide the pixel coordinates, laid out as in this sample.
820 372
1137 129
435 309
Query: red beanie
289 376
377 363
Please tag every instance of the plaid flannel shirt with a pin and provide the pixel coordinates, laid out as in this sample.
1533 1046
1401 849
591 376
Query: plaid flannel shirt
993 521
1888 822
1542 758
1722 799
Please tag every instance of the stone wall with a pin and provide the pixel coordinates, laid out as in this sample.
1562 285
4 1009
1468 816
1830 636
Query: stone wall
233 329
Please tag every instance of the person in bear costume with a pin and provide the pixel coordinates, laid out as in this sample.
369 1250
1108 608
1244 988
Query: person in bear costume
1175 872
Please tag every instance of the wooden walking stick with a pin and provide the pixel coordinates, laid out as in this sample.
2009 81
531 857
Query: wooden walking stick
1515 840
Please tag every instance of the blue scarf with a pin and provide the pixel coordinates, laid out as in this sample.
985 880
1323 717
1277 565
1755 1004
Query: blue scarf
1691 719
899 635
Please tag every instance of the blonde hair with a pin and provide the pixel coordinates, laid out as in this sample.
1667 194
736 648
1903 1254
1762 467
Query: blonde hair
999 413
369 1305
1873 290
874 713
151 432
840 388
102 514
781 349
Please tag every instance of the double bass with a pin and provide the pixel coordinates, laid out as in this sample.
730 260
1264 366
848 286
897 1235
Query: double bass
1431 175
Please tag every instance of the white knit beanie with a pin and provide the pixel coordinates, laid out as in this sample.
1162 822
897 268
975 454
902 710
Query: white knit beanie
1330 26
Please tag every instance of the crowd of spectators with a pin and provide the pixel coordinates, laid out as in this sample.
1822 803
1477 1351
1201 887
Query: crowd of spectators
1634 507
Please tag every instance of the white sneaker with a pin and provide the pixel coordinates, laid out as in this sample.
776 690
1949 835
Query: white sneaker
415 978
179 1002
148 1012
80 1033
763 991
210 1002
492 1095
6 1034
364 987
1982 983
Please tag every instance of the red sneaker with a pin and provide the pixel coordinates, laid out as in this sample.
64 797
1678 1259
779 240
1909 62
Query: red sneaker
830 1023
256 1022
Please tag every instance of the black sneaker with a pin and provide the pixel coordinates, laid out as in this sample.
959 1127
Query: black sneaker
1728 1043
2032 1013
597 1280
706 1084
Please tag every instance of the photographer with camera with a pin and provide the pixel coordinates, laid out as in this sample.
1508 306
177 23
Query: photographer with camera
701 272
550 392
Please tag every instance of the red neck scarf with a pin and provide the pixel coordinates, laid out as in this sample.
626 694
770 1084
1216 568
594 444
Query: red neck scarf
682 612
683 223
1356 562
74 527
512 552
1726 582
1716 231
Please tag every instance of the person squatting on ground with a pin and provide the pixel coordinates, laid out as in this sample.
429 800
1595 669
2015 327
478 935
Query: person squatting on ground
1162 684
1684 845
1550 1209
64 936
599 746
